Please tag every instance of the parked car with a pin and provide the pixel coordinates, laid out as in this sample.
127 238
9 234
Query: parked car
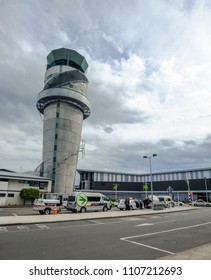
201 202
131 204
179 203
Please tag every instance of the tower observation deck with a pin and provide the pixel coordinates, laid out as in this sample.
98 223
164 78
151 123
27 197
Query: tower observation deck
64 105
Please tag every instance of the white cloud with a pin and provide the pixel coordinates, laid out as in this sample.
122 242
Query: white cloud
149 73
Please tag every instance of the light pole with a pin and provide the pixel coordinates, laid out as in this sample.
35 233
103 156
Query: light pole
150 169
205 183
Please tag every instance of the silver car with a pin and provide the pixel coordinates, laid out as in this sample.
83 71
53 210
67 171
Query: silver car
122 205
201 202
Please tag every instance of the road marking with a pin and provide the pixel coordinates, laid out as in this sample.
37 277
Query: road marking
95 222
141 225
150 247
3 229
149 224
132 219
41 226
14 214
23 227
164 231
159 232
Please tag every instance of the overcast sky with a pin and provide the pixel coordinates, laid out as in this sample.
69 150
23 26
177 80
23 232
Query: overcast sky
149 80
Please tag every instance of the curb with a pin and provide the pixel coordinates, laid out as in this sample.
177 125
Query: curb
59 218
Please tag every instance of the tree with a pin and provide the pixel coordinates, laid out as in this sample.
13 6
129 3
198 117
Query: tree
29 193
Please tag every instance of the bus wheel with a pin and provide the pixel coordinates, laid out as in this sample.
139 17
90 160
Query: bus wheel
83 210
105 208
41 212
47 211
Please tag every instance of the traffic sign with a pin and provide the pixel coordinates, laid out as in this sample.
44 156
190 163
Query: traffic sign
170 190
81 199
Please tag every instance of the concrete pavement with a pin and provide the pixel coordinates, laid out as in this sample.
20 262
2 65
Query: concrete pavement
197 253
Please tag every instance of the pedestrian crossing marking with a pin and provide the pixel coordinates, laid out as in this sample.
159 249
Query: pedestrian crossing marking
23 227
3 229
41 226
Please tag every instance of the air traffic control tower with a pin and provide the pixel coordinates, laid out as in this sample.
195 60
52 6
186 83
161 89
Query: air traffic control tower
64 105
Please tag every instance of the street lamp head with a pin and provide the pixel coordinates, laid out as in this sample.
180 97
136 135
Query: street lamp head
154 155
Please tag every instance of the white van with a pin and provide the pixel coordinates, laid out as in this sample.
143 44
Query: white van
58 196
167 200
85 201
46 206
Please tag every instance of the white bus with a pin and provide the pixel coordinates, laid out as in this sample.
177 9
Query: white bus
86 201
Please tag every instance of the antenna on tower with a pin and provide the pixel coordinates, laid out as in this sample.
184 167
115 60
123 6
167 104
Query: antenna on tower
82 148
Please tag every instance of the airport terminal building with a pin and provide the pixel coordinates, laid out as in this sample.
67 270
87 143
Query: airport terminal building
180 184
11 184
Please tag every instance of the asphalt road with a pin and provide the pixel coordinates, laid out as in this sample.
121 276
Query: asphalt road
22 211
146 237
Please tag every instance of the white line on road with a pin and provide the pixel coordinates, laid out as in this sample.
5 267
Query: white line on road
164 231
95 222
141 225
159 232
164 222
131 219
154 248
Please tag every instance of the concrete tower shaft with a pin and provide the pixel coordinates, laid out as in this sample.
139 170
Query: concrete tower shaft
64 104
